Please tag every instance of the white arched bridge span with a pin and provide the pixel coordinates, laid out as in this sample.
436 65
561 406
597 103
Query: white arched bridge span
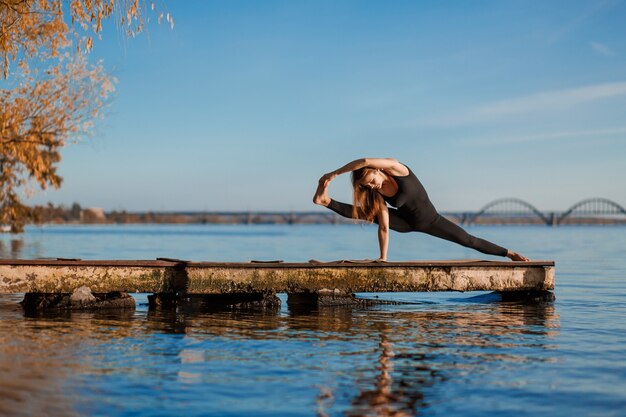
515 210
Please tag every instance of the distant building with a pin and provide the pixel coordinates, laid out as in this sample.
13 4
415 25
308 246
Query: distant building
93 215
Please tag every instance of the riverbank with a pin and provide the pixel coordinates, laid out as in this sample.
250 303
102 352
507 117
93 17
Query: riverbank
59 215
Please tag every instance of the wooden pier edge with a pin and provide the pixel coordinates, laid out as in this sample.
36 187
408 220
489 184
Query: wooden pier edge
175 276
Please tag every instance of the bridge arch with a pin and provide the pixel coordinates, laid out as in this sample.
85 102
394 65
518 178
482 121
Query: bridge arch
596 205
509 201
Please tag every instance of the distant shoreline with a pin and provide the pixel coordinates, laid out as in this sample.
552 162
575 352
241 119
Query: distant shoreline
89 216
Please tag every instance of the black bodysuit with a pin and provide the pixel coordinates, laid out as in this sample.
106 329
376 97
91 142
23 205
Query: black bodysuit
414 212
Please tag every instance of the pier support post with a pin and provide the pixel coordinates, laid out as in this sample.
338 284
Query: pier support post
325 298
81 299
529 296
211 302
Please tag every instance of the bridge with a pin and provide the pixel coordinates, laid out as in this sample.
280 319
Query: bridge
501 211
516 211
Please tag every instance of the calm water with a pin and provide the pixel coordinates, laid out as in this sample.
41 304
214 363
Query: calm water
445 354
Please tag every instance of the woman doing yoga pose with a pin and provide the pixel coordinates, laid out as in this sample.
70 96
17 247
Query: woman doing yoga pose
377 181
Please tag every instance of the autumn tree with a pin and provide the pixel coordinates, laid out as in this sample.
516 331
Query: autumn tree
50 93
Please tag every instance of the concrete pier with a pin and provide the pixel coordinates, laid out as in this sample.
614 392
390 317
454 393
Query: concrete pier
173 276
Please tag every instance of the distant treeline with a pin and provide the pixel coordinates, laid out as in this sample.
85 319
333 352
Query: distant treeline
78 215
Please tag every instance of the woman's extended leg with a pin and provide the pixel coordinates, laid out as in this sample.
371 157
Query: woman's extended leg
396 222
321 197
445 229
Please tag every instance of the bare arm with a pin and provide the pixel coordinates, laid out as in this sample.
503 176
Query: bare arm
390 165
383 231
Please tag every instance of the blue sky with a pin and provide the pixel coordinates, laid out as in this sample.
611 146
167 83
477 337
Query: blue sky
244 105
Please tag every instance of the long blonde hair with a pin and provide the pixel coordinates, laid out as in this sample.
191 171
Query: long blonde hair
366 201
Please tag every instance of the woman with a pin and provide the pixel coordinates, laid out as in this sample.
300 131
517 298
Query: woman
377 181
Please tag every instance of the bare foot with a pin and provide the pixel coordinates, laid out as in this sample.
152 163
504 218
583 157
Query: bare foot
321 195
516 256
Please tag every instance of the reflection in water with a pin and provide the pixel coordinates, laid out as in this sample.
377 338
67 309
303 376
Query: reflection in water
386 398
36 359
20 247
12 250
383 361
397 387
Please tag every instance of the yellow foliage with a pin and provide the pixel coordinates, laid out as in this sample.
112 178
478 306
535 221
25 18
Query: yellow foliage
55 94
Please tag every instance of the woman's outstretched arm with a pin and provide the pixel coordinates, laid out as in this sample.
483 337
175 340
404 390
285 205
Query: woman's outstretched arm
389 164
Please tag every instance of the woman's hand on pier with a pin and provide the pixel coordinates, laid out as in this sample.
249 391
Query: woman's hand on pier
514 256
